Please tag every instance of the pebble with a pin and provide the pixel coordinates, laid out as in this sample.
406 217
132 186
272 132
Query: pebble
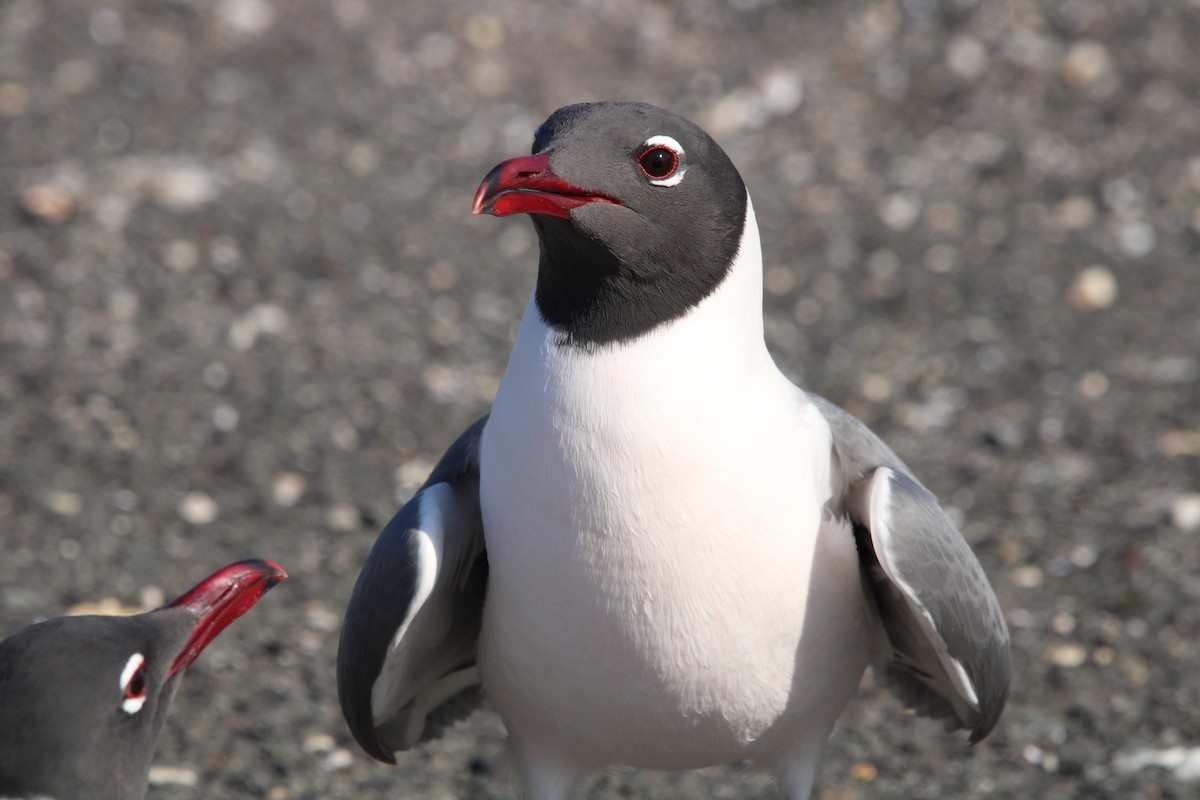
66 504
104 607
247 17
1173 444
1076 212
321 618
483 32
1085 64
1185 512
967 57
105 27
899 211
183 187
782 91
343 518
1136 238
411 474
180 255
1183 762
163 775
1068 655
1094 288
198 508
876 388
1029 576
864 772
14 99
1093 385
288 489
339 759
225 418
48 203
319 743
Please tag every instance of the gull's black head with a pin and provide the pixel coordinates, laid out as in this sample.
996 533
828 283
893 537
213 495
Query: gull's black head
638 211
83 699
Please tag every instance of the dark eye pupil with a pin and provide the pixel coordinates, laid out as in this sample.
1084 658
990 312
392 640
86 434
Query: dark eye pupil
137 684
658 162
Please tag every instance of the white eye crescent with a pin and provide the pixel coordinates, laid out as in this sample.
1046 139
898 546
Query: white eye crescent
660 160
133 684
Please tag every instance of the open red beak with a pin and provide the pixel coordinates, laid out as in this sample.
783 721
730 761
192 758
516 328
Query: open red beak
526 185
221 598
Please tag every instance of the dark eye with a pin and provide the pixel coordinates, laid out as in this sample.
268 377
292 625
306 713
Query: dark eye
133 684
136 686
658 162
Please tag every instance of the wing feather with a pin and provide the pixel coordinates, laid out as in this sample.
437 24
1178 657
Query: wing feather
406 660
947 652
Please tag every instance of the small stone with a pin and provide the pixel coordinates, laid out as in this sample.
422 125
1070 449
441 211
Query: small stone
738 110
48 203
14 99
1076 212
106 27
183 187
782 91
362 158
288 489
323 619
1084 556
277 793
340 758
966 56
319 743
864 772
876 388
1085 64
151 597
1093 385
198 508
1136 238
1182 762
1029 576
163 775
1094 288
899 211
411 474
483 32
181 255
104 607
225 418
1063 623
1185 512
247 17
488 78
1068 655
1173 444
343 518
66 504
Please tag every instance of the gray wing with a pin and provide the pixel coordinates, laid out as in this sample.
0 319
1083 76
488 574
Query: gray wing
946 652
406 660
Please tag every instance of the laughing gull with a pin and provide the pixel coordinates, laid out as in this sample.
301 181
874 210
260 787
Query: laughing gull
657 551
83 699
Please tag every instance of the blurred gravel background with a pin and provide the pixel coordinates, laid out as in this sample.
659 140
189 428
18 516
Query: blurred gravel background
244 307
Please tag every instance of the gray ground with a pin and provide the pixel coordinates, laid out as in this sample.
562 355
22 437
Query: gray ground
243 307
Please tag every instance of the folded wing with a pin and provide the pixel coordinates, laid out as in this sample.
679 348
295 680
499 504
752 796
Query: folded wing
946 650
406 660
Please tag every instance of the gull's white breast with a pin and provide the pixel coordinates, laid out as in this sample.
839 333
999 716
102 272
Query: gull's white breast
664 590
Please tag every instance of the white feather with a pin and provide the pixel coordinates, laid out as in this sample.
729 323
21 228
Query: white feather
650 563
